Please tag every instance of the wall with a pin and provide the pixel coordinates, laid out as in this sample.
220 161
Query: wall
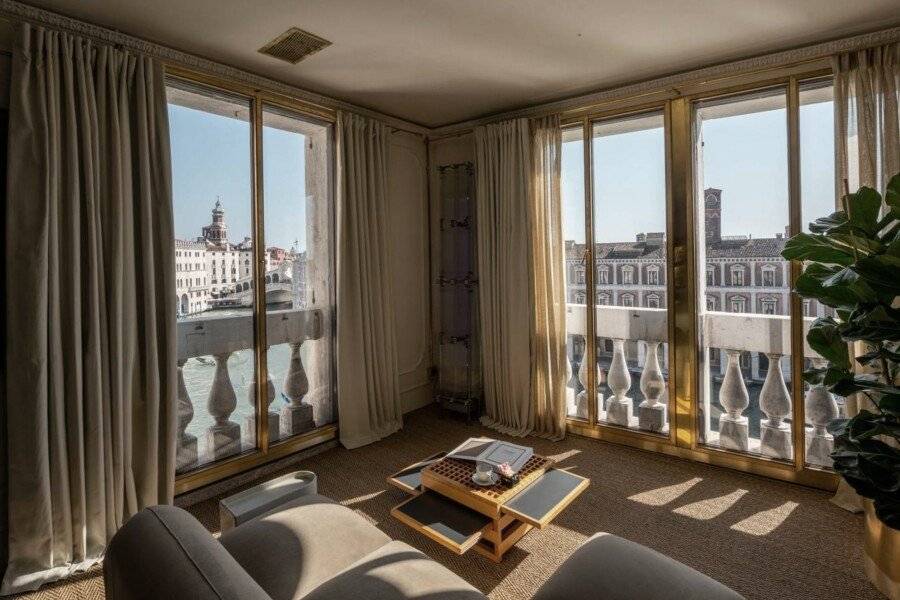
410 270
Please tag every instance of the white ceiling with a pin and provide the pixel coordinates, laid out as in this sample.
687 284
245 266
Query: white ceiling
438 62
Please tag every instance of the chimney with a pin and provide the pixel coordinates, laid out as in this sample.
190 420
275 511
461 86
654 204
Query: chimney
712 203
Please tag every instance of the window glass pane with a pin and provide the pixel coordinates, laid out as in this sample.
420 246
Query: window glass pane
298 275
742 210
629 178
211 191
575 235
817 200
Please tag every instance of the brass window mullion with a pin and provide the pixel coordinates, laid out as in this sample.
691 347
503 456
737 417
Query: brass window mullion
260 346
795 226
590 337
684 364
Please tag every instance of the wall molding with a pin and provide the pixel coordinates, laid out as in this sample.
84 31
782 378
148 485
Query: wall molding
17 11
802 54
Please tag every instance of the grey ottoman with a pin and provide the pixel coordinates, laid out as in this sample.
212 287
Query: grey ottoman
243 506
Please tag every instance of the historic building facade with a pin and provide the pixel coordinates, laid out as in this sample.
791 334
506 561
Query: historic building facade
742 274
210 265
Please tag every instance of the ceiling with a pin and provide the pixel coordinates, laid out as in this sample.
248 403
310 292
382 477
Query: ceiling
438 62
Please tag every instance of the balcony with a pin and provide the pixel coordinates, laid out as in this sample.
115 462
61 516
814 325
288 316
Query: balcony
745 404
215 363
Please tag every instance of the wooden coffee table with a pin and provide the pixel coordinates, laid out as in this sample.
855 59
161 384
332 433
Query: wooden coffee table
448 507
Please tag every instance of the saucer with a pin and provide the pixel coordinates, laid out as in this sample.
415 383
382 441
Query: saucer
489 482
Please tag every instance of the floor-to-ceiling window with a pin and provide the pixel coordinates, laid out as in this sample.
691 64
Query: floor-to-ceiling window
253 275
678 227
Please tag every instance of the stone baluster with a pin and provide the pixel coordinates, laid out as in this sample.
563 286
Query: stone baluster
652 413
733 396
272 417
581 407
601 379
297 415
186 455
570 389
223 437
775 401
821 409
619 409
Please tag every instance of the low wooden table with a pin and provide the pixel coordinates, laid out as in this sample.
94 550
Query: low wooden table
448 507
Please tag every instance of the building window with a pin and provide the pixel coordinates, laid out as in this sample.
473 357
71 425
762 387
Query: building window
710 303
807 308
768 276
652 275
627 300
628 275
603 299
769 306
652 301
737 275
710 276
579 275
738 304
603 274
579 298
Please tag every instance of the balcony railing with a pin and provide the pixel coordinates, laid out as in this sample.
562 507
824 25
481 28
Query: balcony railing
219 338
734 334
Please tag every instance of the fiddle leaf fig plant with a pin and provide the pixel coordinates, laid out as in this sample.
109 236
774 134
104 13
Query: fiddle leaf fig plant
853 266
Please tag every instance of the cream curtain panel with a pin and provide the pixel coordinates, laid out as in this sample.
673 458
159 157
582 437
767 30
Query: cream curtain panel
520 278
548 372
867 148
90 345
368 387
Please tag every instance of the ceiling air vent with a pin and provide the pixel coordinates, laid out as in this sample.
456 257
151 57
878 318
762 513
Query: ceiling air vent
294 45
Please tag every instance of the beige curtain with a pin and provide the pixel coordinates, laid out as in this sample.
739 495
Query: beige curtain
867 150
520 278
90 345
548 361
502 186
368 388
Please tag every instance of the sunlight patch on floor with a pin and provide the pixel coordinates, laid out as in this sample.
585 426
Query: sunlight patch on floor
664 495
766 521
710 508
564 455
359 499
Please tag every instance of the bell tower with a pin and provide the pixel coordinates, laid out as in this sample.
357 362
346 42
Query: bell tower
217 231
712 204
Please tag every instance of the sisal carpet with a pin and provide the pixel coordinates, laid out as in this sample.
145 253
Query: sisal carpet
765 539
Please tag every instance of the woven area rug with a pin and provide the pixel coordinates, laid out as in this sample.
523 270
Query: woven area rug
764 538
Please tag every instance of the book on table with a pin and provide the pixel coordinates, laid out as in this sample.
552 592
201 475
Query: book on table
493 452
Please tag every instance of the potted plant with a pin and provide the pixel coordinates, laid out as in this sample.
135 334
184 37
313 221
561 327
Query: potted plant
853 266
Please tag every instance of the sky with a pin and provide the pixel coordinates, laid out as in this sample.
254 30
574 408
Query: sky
745 156
211 157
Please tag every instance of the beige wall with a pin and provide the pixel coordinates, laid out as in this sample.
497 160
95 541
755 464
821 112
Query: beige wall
410 272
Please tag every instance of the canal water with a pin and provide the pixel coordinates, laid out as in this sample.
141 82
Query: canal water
199 372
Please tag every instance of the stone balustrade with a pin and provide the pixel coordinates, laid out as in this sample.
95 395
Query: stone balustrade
734 335
220 337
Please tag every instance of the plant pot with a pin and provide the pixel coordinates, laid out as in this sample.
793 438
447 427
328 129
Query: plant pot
882 554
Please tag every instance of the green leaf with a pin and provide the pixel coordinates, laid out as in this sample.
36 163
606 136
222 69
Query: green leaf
882 272
876 355
863 208
809 285
875 324
890 403
892 192
824 337
819 248
825 224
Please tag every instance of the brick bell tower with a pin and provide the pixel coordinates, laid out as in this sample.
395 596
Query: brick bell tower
712 202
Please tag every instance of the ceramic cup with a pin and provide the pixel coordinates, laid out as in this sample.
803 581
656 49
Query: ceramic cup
483 471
